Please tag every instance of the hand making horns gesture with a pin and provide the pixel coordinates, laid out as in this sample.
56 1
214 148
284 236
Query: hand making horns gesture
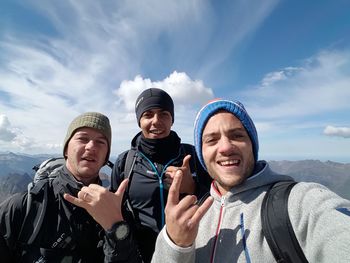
188 186
182 217
103 205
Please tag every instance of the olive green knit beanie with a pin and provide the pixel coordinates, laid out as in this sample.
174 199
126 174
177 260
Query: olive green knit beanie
94 120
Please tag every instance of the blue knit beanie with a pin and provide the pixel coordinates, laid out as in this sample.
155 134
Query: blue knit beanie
237 109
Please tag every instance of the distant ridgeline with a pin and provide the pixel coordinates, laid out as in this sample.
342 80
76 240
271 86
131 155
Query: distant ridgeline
336 176
16 172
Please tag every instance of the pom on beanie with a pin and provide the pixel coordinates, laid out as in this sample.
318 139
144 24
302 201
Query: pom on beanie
237 109
153 98
94 120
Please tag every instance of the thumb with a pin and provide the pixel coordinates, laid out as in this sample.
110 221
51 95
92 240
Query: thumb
186 161
122 187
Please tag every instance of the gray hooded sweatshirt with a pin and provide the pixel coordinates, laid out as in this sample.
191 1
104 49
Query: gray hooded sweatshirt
231 229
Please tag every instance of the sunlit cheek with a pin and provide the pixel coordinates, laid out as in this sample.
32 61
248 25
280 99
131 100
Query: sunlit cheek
207 154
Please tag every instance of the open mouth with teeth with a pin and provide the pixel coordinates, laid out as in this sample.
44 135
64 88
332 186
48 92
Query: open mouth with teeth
156 132
229 163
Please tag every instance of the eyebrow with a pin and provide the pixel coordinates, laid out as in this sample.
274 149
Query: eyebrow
229 130
99 136
213 133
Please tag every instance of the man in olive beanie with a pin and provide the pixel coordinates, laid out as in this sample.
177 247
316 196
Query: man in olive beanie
94 120
71 217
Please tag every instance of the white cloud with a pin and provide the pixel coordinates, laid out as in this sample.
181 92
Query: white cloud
183 90
13 139
7 133
320 85
273 77
337 131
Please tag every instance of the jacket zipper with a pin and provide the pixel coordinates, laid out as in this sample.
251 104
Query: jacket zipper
161 185
218 229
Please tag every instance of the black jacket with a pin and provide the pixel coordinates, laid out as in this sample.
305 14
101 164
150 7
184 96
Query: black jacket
146 191
68 233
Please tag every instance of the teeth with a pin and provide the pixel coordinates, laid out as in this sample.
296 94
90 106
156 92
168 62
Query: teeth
156 131
230 162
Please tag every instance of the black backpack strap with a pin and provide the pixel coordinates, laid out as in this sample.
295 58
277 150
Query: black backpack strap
110 164
276 224
129 164
128 173
35 213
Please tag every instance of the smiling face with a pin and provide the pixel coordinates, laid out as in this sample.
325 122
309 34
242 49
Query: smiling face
156 123
86 153
227 151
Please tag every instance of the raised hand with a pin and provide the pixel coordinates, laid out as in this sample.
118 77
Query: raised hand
182 217
188 185
103 205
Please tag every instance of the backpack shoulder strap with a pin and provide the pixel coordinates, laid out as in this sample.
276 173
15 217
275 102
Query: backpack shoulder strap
276 224
129 163
35 212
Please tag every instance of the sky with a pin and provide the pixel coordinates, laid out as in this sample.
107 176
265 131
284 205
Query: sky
287 61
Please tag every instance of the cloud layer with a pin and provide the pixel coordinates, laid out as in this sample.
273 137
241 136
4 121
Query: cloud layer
62 58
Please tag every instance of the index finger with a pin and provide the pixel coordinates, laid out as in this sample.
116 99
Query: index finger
174 190
74 200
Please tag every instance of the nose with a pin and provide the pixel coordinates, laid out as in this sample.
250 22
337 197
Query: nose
226 146
90 145
156 118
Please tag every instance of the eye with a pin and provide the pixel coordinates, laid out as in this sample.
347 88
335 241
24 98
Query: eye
210 140
165 114
147 115
82 139
101 141
238 135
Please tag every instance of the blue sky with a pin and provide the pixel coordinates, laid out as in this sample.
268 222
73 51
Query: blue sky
287 61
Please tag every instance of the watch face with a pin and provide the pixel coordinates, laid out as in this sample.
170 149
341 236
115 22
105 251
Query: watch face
122 231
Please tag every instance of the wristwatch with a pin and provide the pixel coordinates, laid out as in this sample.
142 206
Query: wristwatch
119 231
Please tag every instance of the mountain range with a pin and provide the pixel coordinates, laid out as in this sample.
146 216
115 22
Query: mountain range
16 172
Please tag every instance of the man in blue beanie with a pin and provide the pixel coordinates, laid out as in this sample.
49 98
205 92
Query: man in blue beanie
228 226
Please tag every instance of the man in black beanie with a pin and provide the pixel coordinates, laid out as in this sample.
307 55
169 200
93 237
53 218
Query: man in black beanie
152 99
156 153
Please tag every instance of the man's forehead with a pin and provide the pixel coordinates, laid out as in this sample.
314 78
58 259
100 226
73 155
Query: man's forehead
222 114
87 131
156 110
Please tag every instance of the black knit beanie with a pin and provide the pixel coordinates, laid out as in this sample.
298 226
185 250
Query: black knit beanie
153 98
